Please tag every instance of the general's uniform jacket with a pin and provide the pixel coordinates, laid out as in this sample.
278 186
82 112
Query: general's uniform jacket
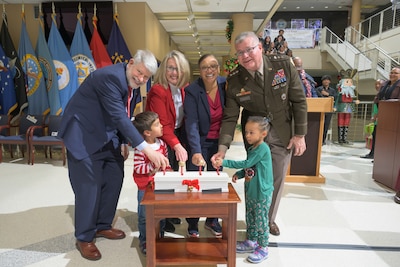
281 99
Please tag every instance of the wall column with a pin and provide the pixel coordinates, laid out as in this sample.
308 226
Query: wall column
241 22
355 13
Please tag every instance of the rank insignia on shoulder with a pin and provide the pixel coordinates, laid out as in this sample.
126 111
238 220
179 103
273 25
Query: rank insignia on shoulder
233 72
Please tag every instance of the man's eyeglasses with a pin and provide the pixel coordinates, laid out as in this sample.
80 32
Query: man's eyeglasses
211 67
172 69
248 51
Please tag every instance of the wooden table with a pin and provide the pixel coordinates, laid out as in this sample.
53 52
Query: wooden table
183 251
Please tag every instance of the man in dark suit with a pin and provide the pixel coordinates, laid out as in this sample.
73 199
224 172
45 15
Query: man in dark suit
96 130
266 86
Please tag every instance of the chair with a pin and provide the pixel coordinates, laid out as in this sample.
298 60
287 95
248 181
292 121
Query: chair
21 139
46 136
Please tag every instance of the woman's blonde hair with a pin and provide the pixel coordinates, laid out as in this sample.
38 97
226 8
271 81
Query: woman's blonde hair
183 69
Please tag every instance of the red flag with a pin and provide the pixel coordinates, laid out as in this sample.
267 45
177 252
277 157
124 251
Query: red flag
99 51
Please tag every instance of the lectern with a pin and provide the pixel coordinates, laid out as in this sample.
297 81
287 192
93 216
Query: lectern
305 168
386 168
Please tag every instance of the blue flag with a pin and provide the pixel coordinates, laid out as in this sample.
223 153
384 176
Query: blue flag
117 48
81 55
35 86
8 99
16 69
65 67
49 73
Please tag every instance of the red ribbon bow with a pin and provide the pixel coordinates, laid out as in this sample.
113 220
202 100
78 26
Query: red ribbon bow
194 183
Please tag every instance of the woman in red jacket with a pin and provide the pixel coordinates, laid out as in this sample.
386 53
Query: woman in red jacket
166 98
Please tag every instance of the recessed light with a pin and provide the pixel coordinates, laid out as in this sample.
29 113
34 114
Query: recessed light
326 7
284 7
297 7
311 7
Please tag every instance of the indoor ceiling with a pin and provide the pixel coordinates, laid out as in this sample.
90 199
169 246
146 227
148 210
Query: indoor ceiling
211 17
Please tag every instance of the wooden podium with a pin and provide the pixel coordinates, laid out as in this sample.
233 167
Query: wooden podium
305 169
386 168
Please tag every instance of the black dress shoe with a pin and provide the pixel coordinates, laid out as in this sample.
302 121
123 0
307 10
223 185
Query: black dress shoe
174 220
368 156
169 227
397 197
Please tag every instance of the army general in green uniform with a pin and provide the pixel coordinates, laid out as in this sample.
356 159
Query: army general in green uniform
268 86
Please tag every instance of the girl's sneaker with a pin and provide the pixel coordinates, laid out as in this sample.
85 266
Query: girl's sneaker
246 246
143 248
259 255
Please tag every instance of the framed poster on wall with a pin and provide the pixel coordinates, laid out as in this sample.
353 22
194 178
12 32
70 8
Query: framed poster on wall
314 23
298 24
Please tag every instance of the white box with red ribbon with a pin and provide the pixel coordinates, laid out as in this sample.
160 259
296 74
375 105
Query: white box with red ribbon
191 181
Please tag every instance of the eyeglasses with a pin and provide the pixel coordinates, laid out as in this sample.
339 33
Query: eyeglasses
211 67
172 69
248 51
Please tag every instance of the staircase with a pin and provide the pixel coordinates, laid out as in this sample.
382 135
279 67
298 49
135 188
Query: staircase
358 51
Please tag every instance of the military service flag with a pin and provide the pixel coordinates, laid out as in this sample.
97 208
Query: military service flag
65 67
117 48
8 100
80 53
35 85
16 68
49 73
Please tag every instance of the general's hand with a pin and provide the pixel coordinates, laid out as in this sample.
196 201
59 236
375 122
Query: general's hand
198 160
180 153
125 151
158 159
216 158
298 143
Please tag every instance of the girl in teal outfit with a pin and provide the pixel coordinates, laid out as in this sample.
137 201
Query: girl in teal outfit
258 175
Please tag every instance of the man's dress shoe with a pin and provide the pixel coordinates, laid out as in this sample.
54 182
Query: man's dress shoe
397 197
111 234
368 156
274 229
88 250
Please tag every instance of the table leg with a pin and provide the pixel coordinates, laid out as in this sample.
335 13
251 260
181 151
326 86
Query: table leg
150 236
232 224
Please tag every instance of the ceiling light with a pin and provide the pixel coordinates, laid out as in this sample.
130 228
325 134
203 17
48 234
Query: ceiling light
326 7
311 7
195 34
297 7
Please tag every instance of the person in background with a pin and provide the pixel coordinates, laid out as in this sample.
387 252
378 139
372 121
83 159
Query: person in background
96 130
203 108
149 125
388 90
325 90
267 44
166 98
279 39
307 81
267 86
259 186
374 118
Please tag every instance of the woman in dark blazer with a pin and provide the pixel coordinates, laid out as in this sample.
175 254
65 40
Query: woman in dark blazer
203 109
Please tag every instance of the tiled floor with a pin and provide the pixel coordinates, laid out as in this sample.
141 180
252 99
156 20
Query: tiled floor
348 221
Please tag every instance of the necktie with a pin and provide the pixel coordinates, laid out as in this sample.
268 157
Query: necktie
128 105
259 79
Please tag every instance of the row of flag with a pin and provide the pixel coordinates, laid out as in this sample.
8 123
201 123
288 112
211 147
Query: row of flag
43 80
